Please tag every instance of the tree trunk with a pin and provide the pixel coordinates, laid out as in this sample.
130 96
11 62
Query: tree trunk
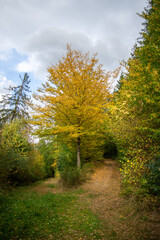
78 153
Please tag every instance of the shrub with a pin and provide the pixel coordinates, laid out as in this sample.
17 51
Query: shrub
153 177
71 177
132 173
65 157
20 163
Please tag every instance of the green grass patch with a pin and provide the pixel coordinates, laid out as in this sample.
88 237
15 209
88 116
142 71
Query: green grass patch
79 191
29 215
51 185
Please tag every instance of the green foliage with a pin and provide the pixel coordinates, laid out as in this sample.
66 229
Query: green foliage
132 172
92 148
71 177
47 150
65 156
153 177
65 159
134 117
20 163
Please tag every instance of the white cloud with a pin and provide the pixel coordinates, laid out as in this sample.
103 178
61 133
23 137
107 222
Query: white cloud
41 30
4 84
28 66
47 46
32 64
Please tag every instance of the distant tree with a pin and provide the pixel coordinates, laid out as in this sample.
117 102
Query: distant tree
14 105
47 150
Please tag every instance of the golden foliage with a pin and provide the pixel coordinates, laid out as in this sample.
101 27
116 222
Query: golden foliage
75 96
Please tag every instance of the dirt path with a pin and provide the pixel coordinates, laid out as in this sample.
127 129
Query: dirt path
121 215
123 218
48 185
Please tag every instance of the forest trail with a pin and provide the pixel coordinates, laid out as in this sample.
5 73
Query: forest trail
105 180
122 215
50 185
123 218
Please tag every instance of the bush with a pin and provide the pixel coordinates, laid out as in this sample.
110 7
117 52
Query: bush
65 157
141 175
132 173
20 170
20 163
71 177
153 177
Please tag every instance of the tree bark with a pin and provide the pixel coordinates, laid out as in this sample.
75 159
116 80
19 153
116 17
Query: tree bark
78 153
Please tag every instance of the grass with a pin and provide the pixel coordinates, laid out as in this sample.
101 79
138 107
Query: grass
92 211
51 186
29 215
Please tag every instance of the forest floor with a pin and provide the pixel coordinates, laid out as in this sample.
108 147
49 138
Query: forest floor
95 210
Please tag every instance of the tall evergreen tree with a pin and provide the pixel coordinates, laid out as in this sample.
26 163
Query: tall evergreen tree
136 113
14 105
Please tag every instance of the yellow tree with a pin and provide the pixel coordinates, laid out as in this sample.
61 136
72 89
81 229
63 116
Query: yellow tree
74 99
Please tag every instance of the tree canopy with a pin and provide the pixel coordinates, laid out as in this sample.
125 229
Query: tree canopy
74 99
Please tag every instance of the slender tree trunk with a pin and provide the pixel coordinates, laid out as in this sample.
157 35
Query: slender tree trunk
78 152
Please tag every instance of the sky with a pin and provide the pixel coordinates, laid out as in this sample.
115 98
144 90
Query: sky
34 34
